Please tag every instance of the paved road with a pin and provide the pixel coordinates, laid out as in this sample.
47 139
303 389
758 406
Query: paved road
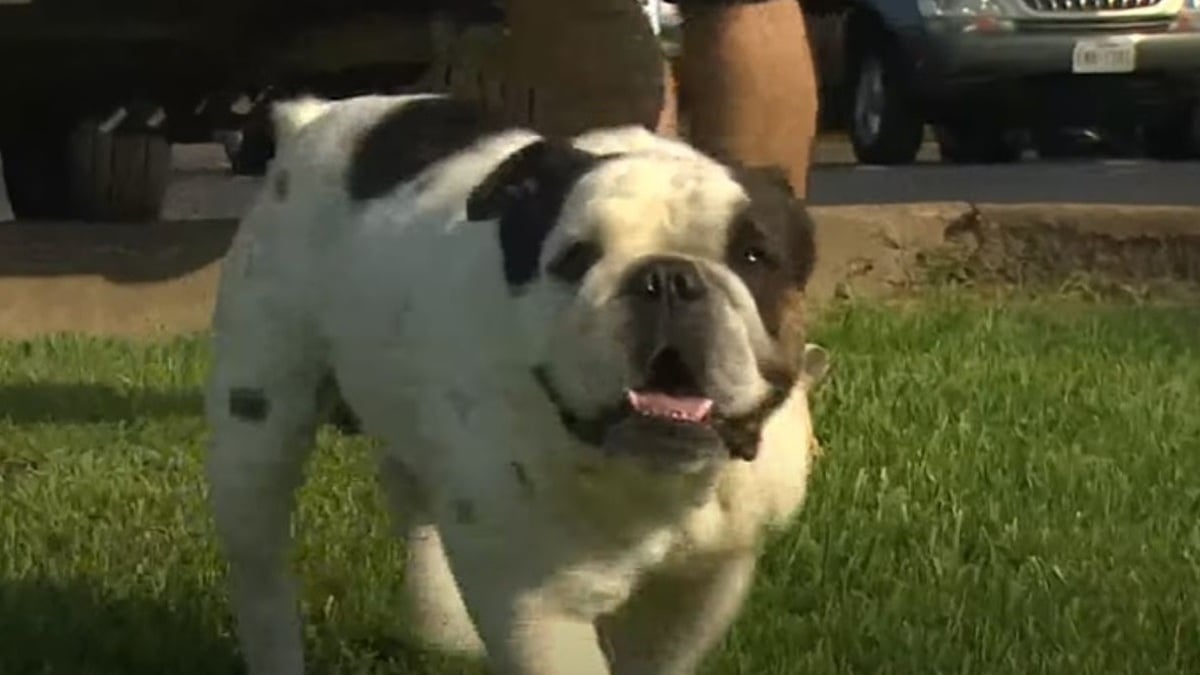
202 187
837 180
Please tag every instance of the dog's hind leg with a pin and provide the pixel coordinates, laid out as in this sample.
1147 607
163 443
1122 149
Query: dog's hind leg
262 407
434 610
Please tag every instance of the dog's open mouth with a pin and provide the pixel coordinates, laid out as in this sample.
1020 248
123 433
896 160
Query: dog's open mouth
691 409
678 412
670 391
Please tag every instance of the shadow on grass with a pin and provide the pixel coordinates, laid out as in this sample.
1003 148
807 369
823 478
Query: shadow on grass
82 403
73 628
52 628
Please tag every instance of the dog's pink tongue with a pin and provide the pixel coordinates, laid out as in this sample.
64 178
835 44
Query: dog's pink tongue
691 408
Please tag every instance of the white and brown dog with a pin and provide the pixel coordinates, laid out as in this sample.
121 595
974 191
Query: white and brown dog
584 360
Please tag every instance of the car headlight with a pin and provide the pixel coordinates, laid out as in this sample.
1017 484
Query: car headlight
962 8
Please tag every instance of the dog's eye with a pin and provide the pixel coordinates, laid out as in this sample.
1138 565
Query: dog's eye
756 255
575 261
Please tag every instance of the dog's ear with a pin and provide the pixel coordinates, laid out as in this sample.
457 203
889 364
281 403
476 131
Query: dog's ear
814 364
543 170
526 194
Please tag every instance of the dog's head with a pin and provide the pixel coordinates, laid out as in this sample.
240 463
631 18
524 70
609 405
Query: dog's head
660 292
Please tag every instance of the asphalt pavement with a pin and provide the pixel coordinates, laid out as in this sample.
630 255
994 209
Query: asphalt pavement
203 187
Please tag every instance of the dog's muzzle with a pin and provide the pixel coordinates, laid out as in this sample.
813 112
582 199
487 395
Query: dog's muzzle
667 409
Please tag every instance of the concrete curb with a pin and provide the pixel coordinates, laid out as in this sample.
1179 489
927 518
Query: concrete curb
134 281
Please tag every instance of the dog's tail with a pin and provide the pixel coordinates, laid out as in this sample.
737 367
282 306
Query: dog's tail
290 116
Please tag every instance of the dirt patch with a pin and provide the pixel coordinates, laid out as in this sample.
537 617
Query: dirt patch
893 249
138 281
1027 244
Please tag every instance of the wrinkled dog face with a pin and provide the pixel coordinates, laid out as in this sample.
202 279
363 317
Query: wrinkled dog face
659 293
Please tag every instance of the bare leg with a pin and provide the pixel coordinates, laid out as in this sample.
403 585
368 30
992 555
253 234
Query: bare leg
747 78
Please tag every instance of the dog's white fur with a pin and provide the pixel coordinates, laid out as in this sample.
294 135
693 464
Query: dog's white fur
570 564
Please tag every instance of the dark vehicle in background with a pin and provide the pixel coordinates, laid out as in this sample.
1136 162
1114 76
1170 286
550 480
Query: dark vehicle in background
993 75
94 92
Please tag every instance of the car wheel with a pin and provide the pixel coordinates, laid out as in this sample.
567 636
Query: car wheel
978 143
86 173
885 127
1174 136
118 176
1058 143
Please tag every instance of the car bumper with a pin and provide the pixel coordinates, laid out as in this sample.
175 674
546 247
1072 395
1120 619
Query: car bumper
1028 71
951 50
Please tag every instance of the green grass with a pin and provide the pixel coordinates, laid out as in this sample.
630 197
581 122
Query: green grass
1006 489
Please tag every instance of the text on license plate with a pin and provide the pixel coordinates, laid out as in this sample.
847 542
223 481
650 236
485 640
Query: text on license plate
1116 54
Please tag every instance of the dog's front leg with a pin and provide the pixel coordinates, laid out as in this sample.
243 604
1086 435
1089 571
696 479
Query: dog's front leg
523 631
675 618
539 643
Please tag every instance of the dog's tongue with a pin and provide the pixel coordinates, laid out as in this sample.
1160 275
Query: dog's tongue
690 408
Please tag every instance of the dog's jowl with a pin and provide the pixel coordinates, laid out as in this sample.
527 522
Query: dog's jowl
584 360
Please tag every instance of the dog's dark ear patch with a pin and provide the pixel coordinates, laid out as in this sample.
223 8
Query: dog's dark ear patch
526 193
770 243
408 139
248 404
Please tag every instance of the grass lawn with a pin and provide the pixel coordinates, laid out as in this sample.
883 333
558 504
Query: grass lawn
1006 489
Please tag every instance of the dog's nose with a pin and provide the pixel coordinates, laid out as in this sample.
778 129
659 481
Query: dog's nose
670 279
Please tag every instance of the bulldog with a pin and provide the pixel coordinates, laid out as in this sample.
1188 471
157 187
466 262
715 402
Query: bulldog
583 361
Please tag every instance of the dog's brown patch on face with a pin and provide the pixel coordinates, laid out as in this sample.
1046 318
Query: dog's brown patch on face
793 329
770 246
281 185
464 512
408 139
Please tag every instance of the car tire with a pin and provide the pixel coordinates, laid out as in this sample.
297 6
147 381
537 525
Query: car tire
1174 136
86 173
121 176
978 143
1062 143
884 123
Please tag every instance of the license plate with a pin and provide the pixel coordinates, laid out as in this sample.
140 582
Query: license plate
1116 54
